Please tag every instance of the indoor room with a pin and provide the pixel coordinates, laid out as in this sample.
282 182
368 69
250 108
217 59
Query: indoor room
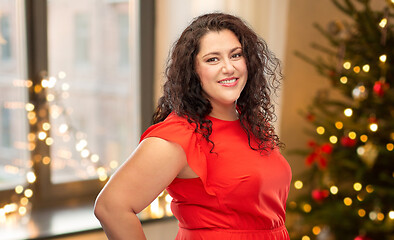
81 106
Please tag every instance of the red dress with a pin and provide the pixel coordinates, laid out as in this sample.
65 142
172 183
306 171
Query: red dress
239 195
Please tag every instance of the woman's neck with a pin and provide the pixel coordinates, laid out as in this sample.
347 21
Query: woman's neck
224 113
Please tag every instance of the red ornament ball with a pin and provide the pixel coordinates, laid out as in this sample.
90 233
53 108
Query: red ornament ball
362 238
379 88
347 141
319 195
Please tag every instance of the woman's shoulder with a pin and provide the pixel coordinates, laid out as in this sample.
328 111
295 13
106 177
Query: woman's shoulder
172 125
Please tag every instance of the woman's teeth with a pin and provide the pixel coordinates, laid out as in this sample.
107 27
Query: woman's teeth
228 81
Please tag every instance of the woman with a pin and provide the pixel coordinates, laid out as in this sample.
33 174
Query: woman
212 147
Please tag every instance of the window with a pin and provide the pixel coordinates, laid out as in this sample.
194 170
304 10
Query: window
81 34
14 130
5 38
89 109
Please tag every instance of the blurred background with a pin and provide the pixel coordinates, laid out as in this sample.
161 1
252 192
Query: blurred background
79 81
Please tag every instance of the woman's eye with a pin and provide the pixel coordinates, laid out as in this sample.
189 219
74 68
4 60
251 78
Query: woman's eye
237 55
212 60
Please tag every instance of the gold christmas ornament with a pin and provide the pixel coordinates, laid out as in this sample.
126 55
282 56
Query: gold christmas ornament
368 153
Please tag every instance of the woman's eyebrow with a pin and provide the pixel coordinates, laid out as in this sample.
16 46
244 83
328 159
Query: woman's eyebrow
218 53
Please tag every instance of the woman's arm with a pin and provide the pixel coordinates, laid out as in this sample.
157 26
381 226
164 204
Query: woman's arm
149 170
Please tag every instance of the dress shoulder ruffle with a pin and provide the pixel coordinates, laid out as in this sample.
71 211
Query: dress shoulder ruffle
178 130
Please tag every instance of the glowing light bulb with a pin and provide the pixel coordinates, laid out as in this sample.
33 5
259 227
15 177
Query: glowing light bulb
19 189
307 208
29 107
298 184
373 127
316 230
366 68
369 189
356 69
361 212
391 214
339 125
333 139
62 75
348 201
334 190
305 238
31 177
383 58
343 80
94 158
28 193
347 65
22 210
357 186
390 147
42 135
320 130
352 135
383 23
348 112
364 138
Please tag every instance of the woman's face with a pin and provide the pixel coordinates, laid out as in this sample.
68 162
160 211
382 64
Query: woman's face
221 66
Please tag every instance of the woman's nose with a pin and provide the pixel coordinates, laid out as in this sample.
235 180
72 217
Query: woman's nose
228 67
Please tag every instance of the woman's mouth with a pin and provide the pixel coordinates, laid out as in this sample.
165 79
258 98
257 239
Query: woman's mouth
228 82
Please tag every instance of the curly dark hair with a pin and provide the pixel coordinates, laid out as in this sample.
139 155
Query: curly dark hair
183 93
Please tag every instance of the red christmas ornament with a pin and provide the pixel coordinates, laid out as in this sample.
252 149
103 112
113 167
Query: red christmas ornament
310 117
362 238
319 154
319 195
380 87
372 120
331 73
347 141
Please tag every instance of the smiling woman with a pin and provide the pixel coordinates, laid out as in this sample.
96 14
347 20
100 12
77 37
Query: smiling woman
222 71
213 145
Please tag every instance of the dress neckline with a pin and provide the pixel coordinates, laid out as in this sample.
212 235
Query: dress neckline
221 120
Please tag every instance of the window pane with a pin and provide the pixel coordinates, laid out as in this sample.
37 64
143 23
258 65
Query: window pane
14 129
92 105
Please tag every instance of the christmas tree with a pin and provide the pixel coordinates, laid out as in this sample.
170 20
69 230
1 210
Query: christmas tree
347 189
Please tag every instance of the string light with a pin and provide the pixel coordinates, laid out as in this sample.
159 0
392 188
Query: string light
320 130
373 215
389 147
366 68
364 138
305 237
348 201
343 80
383 23
352 135
307 208
357 186
348 112
334 190
361 212
333 139
316 230
298 184
339 125
380 216
373 127
369 189
391 215
383 58
31 177
347 65
356 69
